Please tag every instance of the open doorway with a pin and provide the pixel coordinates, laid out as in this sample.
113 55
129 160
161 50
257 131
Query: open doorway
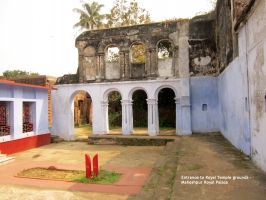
140 112
114 113
167 111
82 114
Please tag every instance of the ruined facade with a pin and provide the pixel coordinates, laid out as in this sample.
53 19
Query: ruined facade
215 66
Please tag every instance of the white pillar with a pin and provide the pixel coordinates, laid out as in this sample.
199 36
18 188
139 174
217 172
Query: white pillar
127 117
104 108
153 121
177 115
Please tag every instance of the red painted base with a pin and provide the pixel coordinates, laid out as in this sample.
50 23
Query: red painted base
15 146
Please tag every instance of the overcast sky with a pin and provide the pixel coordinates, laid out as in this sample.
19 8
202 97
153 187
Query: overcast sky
38 35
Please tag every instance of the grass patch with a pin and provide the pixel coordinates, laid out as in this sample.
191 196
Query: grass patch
195 167
70 175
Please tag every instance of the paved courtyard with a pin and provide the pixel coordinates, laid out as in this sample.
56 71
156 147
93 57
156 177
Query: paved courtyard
207 167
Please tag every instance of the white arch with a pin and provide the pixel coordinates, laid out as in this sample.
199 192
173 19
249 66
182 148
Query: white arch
73 95
108 91
130 94
165 86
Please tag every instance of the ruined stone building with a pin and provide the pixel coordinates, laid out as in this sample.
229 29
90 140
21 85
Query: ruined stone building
214 63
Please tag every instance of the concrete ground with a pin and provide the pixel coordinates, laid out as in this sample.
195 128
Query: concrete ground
200 157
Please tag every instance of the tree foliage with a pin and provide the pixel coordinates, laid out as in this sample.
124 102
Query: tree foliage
138 53
18 73
126 14
90 18
165 49
113 54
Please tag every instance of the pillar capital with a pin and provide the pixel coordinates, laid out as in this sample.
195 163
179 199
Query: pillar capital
152 101
177 100
104 103
126 102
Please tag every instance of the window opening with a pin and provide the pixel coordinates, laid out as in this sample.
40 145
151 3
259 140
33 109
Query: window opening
113 54
27 117
204 107
138 53
246 104
4 118
165 50
265 103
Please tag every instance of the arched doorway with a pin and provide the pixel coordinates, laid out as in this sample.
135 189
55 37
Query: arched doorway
140 112
167 111
114 112
82 112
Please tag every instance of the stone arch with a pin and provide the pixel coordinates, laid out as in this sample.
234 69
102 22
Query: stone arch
165 64
131 49
112 63
106 52
165 40
137 60
89 51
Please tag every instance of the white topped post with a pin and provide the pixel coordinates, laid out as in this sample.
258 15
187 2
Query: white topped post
127 117
153 120
105 128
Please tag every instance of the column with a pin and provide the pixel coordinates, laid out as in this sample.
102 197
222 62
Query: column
102 67
153 120
105 124
185 107
153 59
122 65
127 117
80 69
127 66
178 115
148 63
100 72
176 61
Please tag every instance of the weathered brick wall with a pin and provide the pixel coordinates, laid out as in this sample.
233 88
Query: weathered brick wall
202 46
82 108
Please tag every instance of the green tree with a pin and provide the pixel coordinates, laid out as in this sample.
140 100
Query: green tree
18 73
124 14
90 18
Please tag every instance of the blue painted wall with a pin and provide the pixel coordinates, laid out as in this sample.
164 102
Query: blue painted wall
204 90
234 106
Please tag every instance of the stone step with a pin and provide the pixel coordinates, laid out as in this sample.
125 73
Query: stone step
6 160
57 140
2 156
159 184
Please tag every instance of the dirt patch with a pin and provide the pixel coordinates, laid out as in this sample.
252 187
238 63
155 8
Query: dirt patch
129 141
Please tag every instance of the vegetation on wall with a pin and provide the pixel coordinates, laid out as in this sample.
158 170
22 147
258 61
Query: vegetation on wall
18 73
114 109
140 109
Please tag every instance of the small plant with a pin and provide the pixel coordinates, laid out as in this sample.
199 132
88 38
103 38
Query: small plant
195 167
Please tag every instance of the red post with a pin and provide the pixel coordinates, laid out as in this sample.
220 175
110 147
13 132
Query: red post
88 166
95 165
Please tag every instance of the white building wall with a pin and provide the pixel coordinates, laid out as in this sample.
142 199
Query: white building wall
256 45
63 118
16 95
